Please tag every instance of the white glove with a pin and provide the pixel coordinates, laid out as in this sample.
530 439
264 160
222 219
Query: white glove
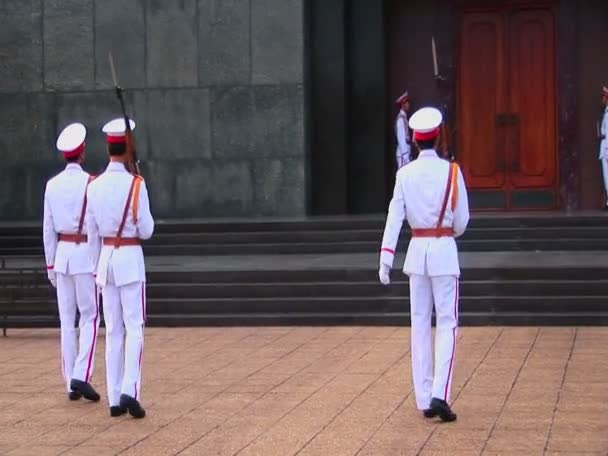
52 277
385 274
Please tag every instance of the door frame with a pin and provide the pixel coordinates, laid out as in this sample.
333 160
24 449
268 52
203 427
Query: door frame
468 6
504 7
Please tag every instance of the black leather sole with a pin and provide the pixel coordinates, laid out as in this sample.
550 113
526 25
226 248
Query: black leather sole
87 391
132 405
442 409
429 413
117 410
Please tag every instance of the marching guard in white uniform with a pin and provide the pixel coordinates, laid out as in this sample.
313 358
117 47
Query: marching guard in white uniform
404 148
118 218
431 194
604 143
70 264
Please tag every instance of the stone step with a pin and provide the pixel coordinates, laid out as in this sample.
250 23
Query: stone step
502 245
487 233
505 288
161 275
488 305
373 222
344 235
493 245
477 304
376 318
546 288
510 288
335 319
345 274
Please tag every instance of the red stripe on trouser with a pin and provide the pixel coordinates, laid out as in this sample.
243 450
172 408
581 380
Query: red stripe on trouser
88 376
447 382
143 315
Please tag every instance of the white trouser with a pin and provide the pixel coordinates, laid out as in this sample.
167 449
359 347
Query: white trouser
443 292
78 292
124 307
605 174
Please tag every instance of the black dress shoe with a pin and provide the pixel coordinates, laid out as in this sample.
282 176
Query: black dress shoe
85 389
442 409
132 405
117 410
429 413
74 395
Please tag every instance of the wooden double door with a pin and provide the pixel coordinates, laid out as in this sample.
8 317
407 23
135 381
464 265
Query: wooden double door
507 107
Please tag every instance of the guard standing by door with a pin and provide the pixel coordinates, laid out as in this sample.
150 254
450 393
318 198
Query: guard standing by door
603 156
402 132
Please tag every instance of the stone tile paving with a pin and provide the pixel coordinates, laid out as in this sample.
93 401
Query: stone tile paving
315 391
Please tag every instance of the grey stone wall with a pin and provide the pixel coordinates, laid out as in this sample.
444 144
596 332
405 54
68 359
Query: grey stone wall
215 86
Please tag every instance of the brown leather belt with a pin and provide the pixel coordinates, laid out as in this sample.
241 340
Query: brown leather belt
75 238
432 232
119 242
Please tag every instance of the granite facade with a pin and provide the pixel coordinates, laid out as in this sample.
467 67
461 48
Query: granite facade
218 99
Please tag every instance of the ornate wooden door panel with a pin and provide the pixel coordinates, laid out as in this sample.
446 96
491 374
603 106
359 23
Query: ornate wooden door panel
507 125
532 149
481 97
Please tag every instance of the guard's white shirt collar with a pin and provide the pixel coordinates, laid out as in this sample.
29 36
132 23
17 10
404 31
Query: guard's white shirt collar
73 166
116 166
428 153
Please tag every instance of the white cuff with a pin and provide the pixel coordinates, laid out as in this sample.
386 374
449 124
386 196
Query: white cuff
387 256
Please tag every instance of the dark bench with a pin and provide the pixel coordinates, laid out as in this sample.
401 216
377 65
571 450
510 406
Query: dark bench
27 299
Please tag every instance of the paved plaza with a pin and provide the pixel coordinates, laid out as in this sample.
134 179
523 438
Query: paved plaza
315 391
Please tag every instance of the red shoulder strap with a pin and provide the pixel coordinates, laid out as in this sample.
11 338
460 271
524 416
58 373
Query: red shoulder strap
125 211
446 197
84 205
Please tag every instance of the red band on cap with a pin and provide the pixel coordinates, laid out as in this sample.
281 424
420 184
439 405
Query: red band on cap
116 139
74 153
426 136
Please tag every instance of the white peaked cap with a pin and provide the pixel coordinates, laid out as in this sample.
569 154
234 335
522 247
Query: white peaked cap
404 97
425 120
71 139
116 127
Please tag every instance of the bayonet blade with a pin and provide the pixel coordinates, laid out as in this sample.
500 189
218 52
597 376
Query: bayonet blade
112 69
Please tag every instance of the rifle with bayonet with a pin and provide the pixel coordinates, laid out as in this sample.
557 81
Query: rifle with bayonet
445 136
132 163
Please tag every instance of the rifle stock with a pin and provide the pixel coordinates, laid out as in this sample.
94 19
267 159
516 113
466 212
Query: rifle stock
445 139
132 162
444 143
